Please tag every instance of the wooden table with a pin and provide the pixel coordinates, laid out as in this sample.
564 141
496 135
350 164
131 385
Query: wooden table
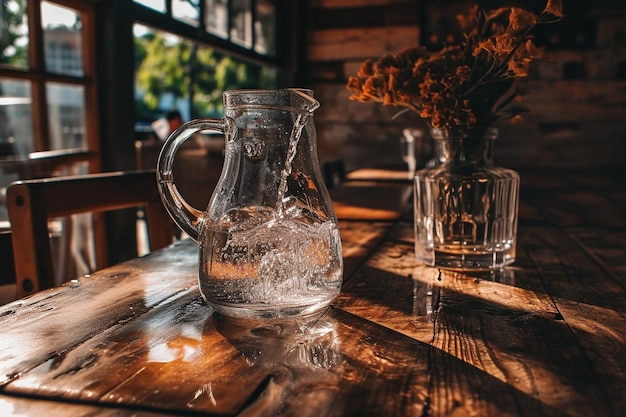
545 337
399 174
370 200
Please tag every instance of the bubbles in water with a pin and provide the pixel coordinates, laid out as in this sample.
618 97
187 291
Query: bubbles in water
258 257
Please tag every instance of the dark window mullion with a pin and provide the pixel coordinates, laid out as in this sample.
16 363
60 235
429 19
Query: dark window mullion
229 27
41 128
201 11
90 71
253 11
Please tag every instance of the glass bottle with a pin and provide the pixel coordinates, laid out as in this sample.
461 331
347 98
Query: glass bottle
465 207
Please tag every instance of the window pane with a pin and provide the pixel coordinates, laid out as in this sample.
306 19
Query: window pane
241 23
265 28
216 17
16 121
187 11
62 39
66 115
173 73
217 73
14 33
161 74
158 5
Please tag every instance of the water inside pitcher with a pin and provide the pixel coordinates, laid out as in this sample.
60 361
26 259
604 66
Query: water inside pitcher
269 239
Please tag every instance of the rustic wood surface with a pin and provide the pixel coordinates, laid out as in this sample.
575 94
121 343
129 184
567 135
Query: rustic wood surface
370 200
381 174
544 337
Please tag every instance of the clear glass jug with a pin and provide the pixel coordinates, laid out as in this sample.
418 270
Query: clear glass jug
269 239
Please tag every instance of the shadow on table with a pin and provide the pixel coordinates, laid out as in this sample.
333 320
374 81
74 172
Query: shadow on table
509 332
350 365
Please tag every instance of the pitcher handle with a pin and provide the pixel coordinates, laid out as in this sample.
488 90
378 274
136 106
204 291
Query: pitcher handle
188 218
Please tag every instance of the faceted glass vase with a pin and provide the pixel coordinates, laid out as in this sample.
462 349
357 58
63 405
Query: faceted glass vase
465 207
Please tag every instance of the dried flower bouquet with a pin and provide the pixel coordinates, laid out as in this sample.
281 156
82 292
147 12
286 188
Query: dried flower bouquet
464 85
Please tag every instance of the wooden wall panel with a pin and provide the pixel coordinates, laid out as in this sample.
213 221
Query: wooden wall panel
359 43
576 97
329 4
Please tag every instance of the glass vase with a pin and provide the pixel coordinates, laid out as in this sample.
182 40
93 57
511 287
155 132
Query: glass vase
465 207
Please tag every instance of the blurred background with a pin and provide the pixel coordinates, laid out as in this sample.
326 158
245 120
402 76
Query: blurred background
88 85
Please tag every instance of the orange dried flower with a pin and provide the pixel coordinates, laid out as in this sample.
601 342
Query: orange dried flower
521 19
554 8
466 84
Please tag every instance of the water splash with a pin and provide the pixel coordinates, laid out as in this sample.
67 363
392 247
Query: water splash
292 150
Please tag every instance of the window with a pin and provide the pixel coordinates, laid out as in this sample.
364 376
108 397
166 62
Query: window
187 52
47 75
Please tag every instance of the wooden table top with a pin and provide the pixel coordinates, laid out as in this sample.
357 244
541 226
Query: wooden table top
545 337
370 200
380 174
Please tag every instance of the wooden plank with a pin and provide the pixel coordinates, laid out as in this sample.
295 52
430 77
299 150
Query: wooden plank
544 337
388 291
506 327
178 357
326 71
19 407
161 359
574 197
606 248
329 4
345 366
576 208
510 334
592 304
358 240
360 200
369 115
405 13
579 101
123 284
361 43
37 329
381 174
134 350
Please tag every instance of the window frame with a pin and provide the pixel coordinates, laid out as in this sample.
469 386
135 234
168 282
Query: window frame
38 76
166 22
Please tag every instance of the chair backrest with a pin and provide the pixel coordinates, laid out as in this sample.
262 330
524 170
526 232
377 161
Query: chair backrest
32 203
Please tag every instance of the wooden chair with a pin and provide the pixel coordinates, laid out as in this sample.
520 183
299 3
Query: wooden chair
32 203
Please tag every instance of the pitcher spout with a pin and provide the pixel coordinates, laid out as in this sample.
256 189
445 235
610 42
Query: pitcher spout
302 99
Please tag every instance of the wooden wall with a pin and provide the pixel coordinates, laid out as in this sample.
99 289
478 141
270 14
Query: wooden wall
577 98
344 33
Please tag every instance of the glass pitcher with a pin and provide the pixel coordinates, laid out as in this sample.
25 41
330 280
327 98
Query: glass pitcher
269 239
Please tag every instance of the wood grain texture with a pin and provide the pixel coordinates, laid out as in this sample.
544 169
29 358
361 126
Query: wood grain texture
117 295
381 174
544 337
358 240
360 200
359 43
503 333
18 407
353 3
